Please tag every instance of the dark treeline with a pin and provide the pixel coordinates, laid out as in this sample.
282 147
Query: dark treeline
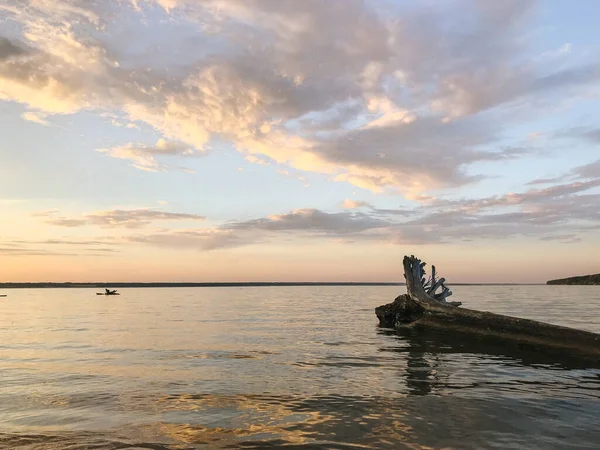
584 279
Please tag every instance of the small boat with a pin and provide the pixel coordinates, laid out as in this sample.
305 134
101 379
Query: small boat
3 295
108 292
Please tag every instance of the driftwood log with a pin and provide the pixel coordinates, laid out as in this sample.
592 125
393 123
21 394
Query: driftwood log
422 307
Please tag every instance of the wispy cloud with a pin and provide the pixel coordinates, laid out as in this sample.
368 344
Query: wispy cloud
67 242
559 52
562 213
313 220
194 239
69 223
33 251
60 247
36 118
46 213
143 157
354 204
591 170
131 218
564 238
25 251
590 173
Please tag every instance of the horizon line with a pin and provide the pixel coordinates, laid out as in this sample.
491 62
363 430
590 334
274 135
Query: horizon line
161 284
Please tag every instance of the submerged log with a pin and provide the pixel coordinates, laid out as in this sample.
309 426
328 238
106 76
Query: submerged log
421 307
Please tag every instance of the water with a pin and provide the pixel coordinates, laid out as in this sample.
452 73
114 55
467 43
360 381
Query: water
293 367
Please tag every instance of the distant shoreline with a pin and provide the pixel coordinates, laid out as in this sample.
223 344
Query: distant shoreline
582 280
121 285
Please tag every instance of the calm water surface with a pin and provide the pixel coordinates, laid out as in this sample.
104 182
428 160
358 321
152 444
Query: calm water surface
293 367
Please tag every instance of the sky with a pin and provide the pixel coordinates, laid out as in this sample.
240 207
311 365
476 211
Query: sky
286 140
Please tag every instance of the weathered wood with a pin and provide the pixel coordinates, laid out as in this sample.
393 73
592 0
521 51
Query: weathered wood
432 277
417 307
412 272
437 284
446 292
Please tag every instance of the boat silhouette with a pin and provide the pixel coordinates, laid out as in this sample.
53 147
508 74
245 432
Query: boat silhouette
108 292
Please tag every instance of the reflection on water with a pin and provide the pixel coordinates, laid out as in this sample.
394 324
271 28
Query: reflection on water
285 367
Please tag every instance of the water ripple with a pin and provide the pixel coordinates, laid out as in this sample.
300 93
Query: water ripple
297 367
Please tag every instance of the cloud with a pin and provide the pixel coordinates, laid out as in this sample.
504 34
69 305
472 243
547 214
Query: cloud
546 180
586 134
559 52
565 238
304 222
35 118
132 218
543 213
9 50
201 239
354 204
381 95
69 223
564 212
589 172
539 213
532 196
24 251
283 172
568 78
67 242
313 220
60 247
143 157
46 213
10 251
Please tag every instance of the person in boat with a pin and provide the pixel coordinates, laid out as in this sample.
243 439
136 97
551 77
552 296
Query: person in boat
109 292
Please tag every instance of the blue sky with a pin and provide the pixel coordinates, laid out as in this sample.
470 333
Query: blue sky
286 140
